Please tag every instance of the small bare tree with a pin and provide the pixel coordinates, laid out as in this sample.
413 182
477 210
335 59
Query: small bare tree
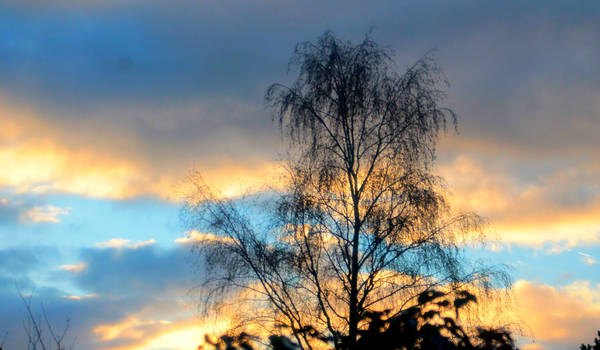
36 326
362 224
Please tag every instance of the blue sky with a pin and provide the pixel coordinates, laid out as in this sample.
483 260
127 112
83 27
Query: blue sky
106 106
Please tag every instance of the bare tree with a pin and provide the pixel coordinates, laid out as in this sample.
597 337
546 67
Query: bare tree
35 328
362 223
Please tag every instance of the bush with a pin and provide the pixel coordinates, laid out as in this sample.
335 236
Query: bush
431 324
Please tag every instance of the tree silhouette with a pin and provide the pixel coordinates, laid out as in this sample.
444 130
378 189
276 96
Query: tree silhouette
596 345
40 333
431 324
362 223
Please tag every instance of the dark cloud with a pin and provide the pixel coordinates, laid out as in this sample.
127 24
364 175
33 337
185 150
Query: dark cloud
185 80
119 282
18 261
141 271
84 315
17 269
9 212
19 265
186 49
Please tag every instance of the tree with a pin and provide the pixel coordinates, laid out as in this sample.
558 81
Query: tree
595 346
39 330
362 223
430 324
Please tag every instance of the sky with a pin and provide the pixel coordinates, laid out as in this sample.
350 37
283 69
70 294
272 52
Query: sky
107 106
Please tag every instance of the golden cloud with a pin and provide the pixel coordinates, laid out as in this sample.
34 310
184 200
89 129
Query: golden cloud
567 315
79 297
547 211
74 268
551 316
44 167
124 243
39 157
147 333
194 236
532 346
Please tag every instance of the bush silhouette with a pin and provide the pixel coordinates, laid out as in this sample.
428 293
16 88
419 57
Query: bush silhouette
432 324
596 345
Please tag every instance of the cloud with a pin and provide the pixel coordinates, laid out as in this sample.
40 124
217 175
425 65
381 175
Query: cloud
79 297
18 208
74 268
85 313
183 333
19 261
145 156
194 236
559 317
146 286
134 299
48 213
124 243
587 258
21 266
42 167
121 100
532 346
121 268
131 327
558 207
10 211
160 280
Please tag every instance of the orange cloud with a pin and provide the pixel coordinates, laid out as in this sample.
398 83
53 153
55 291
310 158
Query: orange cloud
41 157
45 166
532 346
528 214
566 316
147 333
131 327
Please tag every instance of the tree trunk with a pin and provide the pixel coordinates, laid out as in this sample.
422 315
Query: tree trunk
353 307
353 326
